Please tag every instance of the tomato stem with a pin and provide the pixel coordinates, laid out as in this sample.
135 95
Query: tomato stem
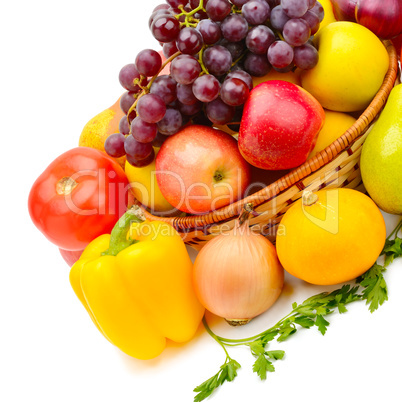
65 185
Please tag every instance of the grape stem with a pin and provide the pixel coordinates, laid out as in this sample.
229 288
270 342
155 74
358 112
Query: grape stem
189 15
204 69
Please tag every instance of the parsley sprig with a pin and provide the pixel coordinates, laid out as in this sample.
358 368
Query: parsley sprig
312 312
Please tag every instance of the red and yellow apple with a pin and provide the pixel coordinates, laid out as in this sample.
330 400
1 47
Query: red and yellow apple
279 126
200 169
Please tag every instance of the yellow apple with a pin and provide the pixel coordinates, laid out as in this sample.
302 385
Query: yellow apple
145 188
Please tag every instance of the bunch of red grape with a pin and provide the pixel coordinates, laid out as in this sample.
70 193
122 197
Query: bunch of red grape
214 48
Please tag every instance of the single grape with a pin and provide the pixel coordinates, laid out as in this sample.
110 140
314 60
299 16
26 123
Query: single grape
280 54
218 10
189 41
157 13
159 140
143 131
318 10
234 27
242 75
311 3
165 28
177 3
312 20
201 15
185 94
190 110
305 56
295 8
136 162
127 75
257 64
169 49
219 112
151 108
210 31
278 18
234 92
124 127
296 32
148 62
206 88
114 145
165 87
132 116
217 59
236 49
136 149
171 122
259 38
184 69
256 12
126 101
195 3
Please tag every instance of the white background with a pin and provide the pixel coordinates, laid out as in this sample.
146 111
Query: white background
59 67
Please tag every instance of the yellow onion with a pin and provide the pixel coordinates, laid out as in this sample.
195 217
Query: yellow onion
237 274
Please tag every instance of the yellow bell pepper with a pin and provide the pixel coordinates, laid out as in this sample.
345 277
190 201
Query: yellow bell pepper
136 285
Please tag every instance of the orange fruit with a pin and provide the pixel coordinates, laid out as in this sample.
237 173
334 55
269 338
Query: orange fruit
331 236
335 124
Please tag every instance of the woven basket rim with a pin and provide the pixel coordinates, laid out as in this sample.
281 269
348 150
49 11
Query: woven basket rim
299 173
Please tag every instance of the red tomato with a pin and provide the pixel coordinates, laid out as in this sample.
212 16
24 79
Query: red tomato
78 197
70 256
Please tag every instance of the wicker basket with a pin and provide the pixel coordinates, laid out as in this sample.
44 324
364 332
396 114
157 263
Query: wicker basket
335 166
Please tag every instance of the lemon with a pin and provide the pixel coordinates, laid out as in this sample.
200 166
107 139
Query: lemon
328 14
335 124
145 187
381 158
351 67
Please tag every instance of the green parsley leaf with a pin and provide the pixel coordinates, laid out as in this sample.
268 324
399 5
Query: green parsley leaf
375 292
305 322
257 347
392 250
275 354
341 308
261 366
269 336
321 323
286 332
227 372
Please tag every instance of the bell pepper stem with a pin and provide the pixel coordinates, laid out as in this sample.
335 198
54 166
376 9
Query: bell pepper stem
118 237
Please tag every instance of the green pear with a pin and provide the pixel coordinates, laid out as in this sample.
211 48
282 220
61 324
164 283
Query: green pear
381 157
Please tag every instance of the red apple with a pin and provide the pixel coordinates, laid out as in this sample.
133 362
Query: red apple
397 42
279 126
70 256
200 169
